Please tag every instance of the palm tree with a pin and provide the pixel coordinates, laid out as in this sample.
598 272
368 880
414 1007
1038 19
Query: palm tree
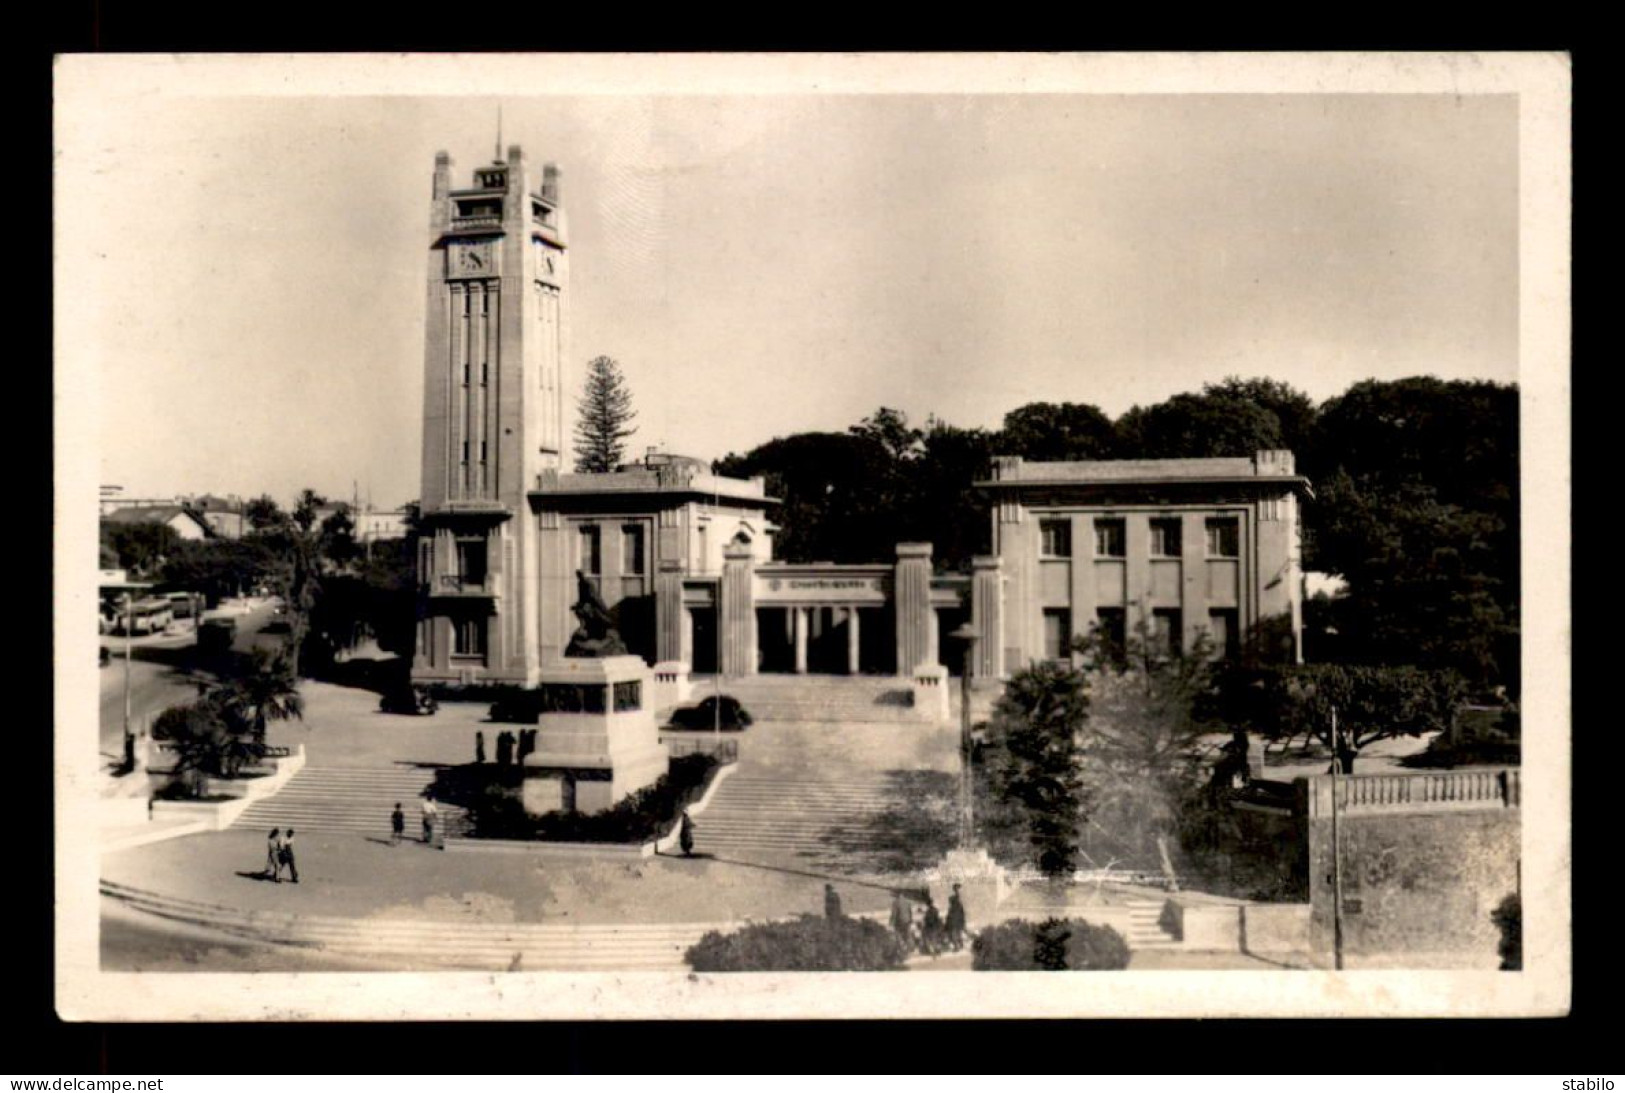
268 693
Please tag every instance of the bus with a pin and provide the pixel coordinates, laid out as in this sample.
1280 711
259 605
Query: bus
146 616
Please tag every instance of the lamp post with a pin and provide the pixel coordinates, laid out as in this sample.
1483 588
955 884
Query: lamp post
1337 854
967 827
129 628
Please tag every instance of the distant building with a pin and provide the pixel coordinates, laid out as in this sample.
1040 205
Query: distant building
683 558
372 526
224 515
186 523
1169 548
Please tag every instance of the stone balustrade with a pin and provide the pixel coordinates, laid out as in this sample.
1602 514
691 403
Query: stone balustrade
1476 789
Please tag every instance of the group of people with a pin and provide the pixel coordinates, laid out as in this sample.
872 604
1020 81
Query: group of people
431 820
279 856
922 928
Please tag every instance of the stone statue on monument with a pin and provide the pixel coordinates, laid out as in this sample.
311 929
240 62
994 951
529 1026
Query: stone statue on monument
596 636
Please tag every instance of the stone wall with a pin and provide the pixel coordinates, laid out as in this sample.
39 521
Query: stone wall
1418 875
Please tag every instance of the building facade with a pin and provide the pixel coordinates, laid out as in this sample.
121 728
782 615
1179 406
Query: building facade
683 558
1169 551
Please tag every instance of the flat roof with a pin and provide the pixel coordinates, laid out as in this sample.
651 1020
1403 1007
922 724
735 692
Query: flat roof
1264 469
673 479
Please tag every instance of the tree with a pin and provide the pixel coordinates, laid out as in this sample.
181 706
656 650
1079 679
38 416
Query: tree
140 548
940 505
605 418
269 692
218 568
1418 510
834 493
1294 411
1370 703
1143 746
1213 424
1031 766
203 743
1049 431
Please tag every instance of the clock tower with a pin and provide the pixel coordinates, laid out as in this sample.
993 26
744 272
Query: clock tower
493 420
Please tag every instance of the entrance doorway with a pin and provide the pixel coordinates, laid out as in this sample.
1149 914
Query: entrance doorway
703 647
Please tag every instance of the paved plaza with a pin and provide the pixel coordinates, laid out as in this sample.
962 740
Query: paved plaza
359 872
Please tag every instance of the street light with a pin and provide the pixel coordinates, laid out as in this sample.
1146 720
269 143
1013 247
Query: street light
967 827
129 629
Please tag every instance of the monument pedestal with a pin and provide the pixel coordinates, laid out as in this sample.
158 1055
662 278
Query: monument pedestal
983 885
596 738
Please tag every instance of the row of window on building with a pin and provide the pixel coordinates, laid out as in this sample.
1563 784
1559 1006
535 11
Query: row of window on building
1111 539
591 552
1165 636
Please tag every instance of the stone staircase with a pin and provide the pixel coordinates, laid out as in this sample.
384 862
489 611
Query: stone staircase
351 800
1138 919
872 823
880 699
421 943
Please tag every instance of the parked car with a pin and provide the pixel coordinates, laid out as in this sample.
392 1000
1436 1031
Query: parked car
520 708
704 715
410 699
216 635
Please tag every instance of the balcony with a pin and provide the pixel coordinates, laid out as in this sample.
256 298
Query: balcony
457 585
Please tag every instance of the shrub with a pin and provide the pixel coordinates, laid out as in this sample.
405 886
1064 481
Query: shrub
1054 945
731 717
1508 918
806 944
497 810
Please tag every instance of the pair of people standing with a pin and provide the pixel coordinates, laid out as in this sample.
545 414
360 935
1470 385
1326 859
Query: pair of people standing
279 856
397 822
930 934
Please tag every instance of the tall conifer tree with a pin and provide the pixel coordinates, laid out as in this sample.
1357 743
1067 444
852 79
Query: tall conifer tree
605 418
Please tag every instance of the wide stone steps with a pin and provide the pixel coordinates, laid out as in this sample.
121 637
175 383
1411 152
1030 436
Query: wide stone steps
821 698
350 800
872 824
441 943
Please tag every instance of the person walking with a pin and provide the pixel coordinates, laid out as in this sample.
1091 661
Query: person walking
397 825
902 920
956 920
431 816
931 929
287 857
479 746
685 835
273 855
832 903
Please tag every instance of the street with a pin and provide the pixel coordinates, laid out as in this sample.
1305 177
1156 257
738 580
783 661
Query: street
158 675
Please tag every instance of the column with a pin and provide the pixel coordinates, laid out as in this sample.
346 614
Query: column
801 621
913 606
853 646
987 609
736 611
1193 578
1137 573
669 613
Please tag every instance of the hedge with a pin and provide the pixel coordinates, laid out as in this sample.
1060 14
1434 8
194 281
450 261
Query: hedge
498 812
1054 945
806 944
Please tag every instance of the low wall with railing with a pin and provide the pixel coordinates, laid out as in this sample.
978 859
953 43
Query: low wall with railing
1475 789
1422 859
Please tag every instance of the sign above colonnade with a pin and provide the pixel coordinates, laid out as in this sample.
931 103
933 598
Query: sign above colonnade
832 584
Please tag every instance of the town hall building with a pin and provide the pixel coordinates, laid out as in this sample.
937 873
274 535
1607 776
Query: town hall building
683 557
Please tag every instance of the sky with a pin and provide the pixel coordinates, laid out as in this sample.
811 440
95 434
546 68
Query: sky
252 267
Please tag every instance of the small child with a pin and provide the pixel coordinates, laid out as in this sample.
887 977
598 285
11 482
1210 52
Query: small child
397 824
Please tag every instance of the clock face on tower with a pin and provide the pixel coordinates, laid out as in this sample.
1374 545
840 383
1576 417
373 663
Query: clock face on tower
471 260
547 261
